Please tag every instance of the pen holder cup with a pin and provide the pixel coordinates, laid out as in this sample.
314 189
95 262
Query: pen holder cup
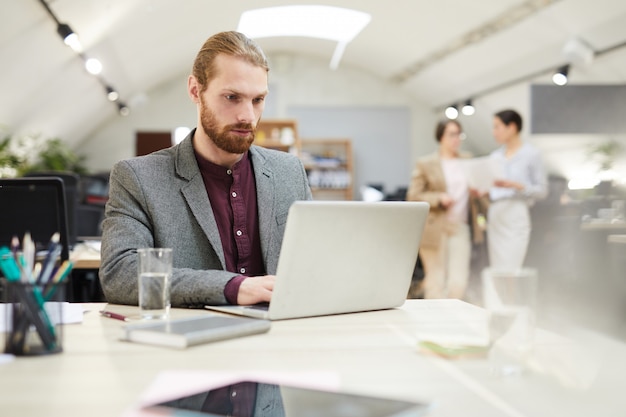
33 318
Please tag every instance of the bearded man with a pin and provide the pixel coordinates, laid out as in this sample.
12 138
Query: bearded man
216 199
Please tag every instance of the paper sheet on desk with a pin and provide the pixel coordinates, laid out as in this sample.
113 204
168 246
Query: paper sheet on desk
93 245
71 313
482 172
89 249
455 338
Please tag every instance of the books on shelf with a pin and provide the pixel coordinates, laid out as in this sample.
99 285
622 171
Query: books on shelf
181 333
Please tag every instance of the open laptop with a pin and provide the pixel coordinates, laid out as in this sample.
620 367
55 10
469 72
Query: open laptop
343 257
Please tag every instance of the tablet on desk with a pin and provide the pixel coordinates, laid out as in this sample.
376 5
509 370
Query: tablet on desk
251 398
189 331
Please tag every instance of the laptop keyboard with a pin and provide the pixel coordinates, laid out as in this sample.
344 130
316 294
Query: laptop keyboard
261 307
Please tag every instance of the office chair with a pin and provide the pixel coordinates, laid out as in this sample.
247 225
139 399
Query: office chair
94 192
89 221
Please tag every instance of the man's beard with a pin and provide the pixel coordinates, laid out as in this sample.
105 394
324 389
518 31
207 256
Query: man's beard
223 139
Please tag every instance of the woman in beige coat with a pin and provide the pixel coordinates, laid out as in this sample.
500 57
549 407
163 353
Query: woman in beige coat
445 249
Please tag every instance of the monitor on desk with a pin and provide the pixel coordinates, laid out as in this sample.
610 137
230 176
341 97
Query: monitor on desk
70 190
35 205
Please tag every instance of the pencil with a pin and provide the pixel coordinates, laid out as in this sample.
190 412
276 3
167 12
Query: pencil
59 276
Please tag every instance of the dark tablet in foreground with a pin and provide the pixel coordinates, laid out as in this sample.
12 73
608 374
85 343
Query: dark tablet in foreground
249 398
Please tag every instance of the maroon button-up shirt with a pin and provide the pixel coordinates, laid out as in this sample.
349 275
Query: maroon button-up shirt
232 193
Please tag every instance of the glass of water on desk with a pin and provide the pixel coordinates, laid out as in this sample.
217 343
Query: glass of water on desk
155 271
509 297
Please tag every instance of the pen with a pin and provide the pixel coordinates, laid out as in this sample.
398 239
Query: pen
112 315
54 250
60 276
15 245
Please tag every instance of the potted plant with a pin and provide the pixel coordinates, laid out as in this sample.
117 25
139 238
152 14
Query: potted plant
12 161
605 154
23 154
55 155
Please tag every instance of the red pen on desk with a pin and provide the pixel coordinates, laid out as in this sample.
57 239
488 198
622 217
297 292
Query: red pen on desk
112 315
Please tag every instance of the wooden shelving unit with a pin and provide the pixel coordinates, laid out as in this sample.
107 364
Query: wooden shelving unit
328 163
279 134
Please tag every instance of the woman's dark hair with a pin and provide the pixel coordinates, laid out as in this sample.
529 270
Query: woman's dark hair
441 127
510 116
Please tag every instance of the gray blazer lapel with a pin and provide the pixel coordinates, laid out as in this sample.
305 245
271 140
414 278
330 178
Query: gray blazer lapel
265 191
194 193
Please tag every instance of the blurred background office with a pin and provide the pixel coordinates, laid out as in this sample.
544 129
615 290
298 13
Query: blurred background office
362 104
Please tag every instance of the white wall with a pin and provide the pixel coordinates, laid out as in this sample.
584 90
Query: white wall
162 109
294 81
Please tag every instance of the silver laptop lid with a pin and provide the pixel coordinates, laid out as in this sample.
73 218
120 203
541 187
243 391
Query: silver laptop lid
346 256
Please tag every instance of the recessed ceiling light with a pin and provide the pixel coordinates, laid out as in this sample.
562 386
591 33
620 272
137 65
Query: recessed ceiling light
323 22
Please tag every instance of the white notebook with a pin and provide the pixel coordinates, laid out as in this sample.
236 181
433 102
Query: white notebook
343 257
181 333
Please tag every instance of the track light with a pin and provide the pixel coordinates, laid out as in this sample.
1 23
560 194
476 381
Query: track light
560 77
468 108
123 109
70 38
452 112
93 66
112 95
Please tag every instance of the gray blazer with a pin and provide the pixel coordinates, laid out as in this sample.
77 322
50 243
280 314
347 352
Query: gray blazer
159 200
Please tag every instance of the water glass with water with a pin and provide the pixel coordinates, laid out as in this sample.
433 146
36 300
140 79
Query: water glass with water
155 272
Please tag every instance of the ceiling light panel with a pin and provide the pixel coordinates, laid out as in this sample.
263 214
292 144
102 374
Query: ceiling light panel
324 22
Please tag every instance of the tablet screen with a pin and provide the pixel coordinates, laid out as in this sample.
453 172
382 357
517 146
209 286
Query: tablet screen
255 399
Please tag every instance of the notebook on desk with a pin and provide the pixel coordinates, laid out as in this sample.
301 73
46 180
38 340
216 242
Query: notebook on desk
343 257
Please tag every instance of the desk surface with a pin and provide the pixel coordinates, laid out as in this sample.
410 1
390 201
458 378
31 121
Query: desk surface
605 225
621 239
86 255
370 353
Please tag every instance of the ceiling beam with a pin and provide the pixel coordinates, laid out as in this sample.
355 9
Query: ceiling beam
504 21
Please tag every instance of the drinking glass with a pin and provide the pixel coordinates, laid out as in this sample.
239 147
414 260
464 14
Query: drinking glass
155 271
509 297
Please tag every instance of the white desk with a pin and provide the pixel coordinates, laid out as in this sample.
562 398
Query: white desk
604 225
86 255
371 353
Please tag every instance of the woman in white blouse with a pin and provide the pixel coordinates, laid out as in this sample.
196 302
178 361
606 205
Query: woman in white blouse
524 182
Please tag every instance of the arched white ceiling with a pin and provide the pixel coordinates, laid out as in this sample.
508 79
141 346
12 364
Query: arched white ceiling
145 43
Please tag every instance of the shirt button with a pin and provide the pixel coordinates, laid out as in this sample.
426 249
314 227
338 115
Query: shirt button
234 394
242 270
234 194
239 233
228 171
